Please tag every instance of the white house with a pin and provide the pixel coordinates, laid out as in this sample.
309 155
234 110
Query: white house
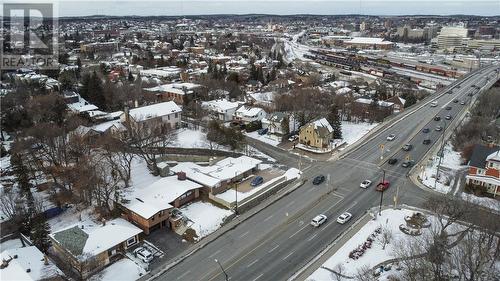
221 109
167 114
248 114
274 123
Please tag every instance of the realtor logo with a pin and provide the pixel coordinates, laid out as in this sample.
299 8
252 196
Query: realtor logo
29 38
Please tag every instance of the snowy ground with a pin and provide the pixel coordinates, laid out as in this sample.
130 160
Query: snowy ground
352 132
70 217
450 164
206 217
483 201
123 270
269 139
10 244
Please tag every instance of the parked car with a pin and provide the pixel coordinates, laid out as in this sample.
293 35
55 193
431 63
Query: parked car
439 128
437 118
318 179
434 104
407 163
262 131
365 184
392 161
470 94
462 103
407 147
447 117
143 254
345 217
257 180
425 130
391 137
318 220
293 138
455 101
448 107
382 186
427 141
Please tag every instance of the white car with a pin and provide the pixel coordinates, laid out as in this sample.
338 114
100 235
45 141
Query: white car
143 254
391 137
345 217
434 104
293 138
365 184
318 220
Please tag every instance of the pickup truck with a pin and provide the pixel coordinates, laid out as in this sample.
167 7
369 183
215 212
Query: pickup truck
382 186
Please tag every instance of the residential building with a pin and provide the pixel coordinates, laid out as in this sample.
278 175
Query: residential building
28 263
484 168
149 207
316 134
399 103
89 248
222 109
274 123
366 108
248 114
163 116
180 93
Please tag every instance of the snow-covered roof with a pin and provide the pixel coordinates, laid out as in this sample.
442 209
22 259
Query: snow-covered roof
323 123
27 258
221 105
248 111
177 88
368 40
370 101
82 105
149 200
103 127
495 156
154 110
225 169
95 239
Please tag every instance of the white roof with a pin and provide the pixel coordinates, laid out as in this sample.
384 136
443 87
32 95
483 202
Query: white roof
225 169
81 105
103 127
156 197
323 123
370 101
367 40
27 258
248 111
154 110
220 105
177 88
495 156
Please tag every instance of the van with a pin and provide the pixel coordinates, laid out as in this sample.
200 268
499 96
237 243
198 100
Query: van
434 104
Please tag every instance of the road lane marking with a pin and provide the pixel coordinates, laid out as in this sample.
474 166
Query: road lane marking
312 237
252 263
275 247
293 201
183 274
268 218
288 255
295 233
244 234
258 277
216 252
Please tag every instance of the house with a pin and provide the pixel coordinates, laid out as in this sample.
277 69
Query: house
28 263
220 176
366 108
164 115
89 248
484 168
399 103
149 207
274 123
248 114
317 134
222 109
180 93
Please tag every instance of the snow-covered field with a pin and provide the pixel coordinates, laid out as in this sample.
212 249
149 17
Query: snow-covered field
206 217
123 270
269 139
352 132
450 164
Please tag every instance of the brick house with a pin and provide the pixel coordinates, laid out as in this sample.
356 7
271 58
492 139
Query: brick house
484 168
180 93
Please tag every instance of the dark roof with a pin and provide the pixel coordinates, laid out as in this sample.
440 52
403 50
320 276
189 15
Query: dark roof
72 239
479 154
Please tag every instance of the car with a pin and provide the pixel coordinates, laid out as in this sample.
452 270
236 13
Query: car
427 141
457 86
425 130
439 128
143 254
382 186
470 94
262 131
345 217
407 147
448 107
455 101
365 184
391 137
434 104
437 118
293 138
392 161
407 163
318 179
318 220
462 103
257 180
447 117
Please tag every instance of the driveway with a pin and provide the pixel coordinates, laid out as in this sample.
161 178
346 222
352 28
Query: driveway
167 241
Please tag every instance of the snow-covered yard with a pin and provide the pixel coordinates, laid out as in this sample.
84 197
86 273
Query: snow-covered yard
123 270
450 164
352 132
269 139
206 217
10 244
483 201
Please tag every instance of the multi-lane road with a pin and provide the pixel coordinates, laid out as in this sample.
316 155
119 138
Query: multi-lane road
277 241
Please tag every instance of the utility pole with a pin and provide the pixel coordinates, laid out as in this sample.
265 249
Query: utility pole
236 194
441 154
223 271
381 194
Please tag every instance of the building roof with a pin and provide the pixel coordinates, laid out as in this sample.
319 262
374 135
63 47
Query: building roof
156 197
370 101
368 40
221 105
154 110
495 156
275 117
94 239
323 123
479 155
248 111
27 258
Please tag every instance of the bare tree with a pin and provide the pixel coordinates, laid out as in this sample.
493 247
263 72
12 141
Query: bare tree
385 236
9 203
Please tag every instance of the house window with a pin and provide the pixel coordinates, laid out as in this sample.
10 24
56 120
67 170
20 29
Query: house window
168 117
176 115
131 241
491 164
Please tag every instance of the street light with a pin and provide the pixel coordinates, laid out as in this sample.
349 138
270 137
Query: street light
381 194
236 194
222 268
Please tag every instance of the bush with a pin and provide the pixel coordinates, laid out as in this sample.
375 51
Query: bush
253 126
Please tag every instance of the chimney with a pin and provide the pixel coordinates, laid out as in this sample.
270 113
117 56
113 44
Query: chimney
181 176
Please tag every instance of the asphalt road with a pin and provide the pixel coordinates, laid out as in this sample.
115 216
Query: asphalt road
277 241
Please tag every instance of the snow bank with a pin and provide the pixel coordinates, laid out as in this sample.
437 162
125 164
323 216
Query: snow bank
450 164
123 270
483 201
206 217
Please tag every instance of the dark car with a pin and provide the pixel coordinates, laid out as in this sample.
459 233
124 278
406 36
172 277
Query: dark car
257 180
382 186
318 179
407 147
392 161
426 130
470 94
262 131
437 118
407 163
448 108
427 141
455 100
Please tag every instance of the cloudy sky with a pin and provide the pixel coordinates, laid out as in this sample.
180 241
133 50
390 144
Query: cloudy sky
280 7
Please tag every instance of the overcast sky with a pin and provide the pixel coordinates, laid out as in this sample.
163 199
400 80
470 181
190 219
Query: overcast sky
324 7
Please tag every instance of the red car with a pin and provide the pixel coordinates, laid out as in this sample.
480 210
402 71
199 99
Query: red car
382 186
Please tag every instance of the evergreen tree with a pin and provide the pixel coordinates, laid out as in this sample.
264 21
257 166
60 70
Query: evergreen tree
92 90
40 233
260 75
21 172
130 77
334 120
285 125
